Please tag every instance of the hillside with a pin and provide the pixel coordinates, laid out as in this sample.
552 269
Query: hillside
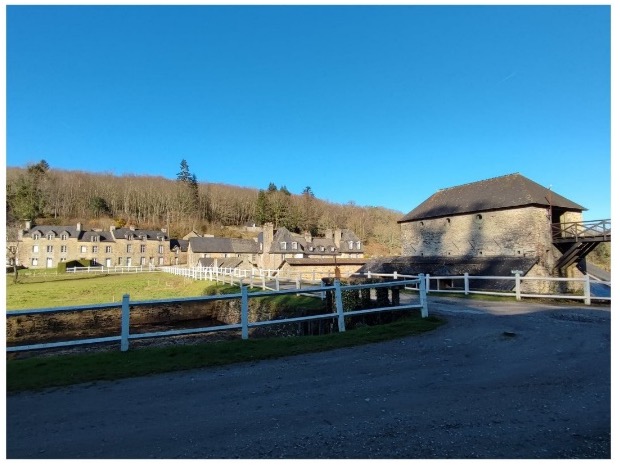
98 200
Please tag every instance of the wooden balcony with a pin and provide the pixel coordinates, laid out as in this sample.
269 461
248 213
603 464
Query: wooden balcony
576 239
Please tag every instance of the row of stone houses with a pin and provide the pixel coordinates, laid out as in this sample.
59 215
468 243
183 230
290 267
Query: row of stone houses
45 246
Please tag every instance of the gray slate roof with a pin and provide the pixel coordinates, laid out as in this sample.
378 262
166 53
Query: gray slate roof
150 234
508 191
322 261
71 230
222 245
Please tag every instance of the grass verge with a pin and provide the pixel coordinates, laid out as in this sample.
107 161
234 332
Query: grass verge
44 372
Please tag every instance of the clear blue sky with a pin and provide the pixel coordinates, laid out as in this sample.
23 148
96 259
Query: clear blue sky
377 105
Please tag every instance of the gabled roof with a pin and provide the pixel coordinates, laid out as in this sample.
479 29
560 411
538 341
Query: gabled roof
222 245
137 233
284 235
57 230
102 236
180 244
509 191
349 236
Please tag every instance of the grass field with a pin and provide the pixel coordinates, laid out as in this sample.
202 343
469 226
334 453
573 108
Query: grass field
43 372
73 290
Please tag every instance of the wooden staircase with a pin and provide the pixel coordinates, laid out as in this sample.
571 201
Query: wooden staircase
576 239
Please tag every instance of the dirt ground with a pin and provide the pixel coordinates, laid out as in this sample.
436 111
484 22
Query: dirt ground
499 380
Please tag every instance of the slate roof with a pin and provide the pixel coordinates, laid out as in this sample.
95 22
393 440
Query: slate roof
181 244
150 234
104 236
349 235
454 266
321 261
70 230
508 191
222 245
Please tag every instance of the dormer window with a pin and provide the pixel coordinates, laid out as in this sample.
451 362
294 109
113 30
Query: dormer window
283 245
350 244
294 245
311 248
50 236
322 248
35 236
94 238
130 237
358 245
63 237
333 249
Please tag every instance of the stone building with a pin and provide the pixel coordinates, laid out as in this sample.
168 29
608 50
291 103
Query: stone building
220 247
44 246
496 226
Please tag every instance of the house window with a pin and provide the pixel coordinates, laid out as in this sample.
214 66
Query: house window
128 248
120 260
142 261
350 244
108 249
322 248
94 238
294 245
94 262
35 248
478 218
63 248
161 261
50 236
34 261
50 249
142 248
130 236
35 237
283 245
332 248
63 237
161 249
95 249
128 261
83 249
358 245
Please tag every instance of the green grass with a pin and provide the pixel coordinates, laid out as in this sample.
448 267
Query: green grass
75 289
44 372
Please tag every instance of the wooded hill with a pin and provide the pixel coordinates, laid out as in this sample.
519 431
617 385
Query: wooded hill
98 200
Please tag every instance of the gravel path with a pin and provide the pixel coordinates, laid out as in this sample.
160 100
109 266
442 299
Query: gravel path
499 380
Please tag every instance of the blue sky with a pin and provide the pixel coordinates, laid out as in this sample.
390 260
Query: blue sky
377 105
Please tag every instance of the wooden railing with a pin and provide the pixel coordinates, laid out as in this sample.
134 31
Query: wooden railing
575 231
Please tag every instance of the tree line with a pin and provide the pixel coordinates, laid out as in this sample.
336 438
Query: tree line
51 196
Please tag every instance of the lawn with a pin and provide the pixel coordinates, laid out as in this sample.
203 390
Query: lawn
74 289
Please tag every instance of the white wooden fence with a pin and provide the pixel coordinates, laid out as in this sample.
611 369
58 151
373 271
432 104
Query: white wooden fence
244 325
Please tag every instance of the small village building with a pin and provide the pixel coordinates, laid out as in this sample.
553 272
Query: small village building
139 247
503 222
220 247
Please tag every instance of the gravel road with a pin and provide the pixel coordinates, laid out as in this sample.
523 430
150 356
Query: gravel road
498 380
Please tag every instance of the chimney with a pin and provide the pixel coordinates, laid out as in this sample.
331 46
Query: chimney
329 235
79 226
112 228
337 237
164 230
307 236
132 227
28 225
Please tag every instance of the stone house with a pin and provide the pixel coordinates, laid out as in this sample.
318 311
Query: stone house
220 247
44 246
139 247
283 245
493 220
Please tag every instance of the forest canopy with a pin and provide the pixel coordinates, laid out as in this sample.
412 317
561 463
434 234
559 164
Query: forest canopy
46 195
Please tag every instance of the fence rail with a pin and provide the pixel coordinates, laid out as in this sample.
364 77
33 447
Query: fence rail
582 230
244 325
451 284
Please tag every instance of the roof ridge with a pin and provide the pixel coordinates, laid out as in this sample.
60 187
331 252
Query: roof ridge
480 181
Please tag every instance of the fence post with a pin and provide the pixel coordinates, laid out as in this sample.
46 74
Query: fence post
518 286
428 282
298 283
368 275
244 312
423 302
339 310
586 291
125 323
277 283
395 275
264 286
466 283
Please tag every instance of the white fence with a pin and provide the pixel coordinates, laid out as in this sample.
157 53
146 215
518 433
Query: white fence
446 284
244 325
112 269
